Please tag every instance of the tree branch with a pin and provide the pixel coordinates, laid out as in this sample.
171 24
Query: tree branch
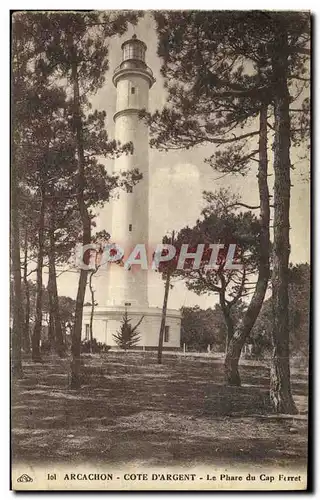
250 207
297 77
136 326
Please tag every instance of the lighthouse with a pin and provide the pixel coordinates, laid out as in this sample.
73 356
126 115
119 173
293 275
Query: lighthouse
130 218
119 289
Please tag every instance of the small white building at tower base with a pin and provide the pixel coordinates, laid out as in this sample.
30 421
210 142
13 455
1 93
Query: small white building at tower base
107 322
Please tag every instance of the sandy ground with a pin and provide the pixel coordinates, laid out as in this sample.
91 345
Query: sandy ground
131 409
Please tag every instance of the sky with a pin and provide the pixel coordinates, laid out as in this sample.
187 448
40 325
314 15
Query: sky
178 178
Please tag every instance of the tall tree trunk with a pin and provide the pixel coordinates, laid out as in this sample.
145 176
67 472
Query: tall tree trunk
26 329
36 357
163 317
92 308
51 328
75 379
17 327
228 319
280 388
51 321
164 309
243 331
17 310
58 335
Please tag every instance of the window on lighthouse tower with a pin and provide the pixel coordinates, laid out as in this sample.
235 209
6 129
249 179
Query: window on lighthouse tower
133 90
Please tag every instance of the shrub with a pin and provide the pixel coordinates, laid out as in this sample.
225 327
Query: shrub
94 347
127 336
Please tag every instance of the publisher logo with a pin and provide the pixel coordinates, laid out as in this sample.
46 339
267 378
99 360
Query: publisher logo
25 479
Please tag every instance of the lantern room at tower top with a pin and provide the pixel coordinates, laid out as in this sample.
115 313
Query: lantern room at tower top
133 59
134 49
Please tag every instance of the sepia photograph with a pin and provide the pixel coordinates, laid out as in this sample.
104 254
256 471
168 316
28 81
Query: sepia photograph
160 265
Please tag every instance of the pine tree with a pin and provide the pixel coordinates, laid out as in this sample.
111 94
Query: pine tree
100 239
220 224
20 59
222 71
127 336
76 47
73 55
211 99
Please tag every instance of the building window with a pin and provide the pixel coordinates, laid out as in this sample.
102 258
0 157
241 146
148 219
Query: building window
133 90
130 227
129 190
166 333
87 331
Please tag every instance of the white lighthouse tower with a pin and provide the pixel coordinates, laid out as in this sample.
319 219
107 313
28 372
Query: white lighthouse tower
121 289
130 218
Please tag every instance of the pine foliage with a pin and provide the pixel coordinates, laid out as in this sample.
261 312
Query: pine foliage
128 335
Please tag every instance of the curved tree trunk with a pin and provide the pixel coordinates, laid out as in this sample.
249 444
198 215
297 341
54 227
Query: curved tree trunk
243 331
280 389
36 337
